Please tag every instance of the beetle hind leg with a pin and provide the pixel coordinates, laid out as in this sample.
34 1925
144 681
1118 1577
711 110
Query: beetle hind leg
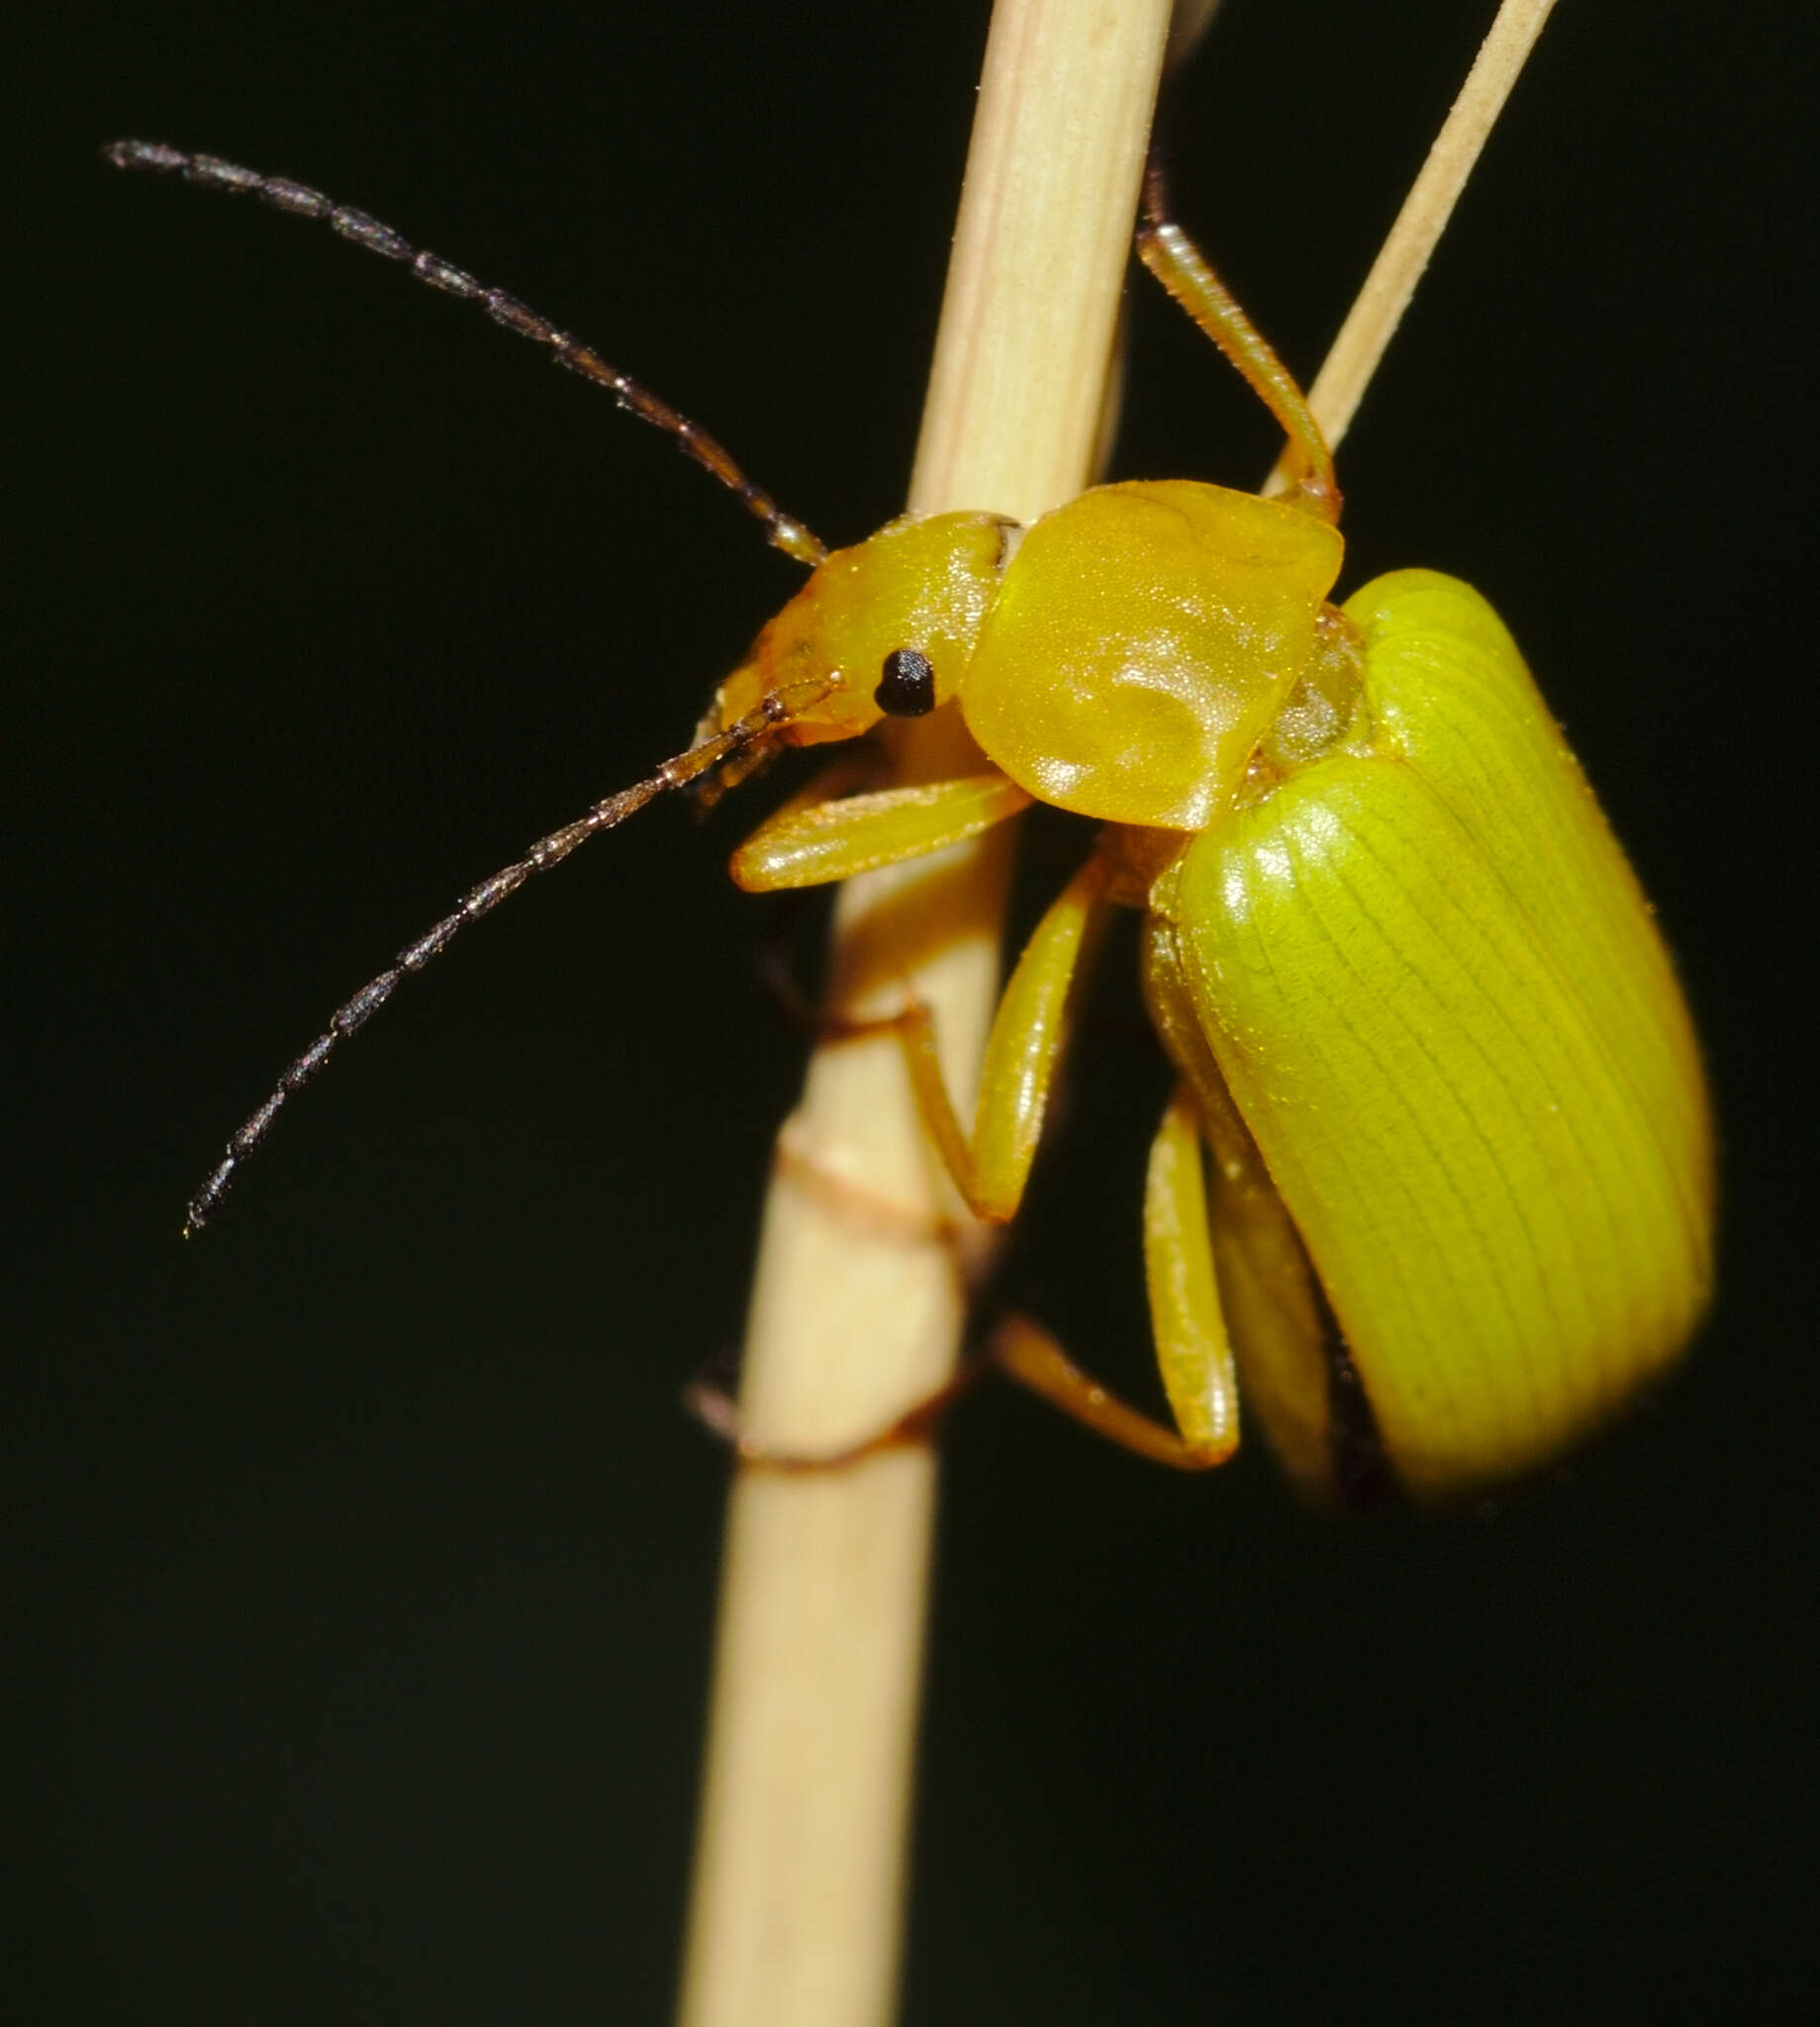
990 1164
715 1408
1191 1332
1193 1346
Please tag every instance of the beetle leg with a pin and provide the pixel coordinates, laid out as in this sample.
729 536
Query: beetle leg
1192 1347
1022 1349
715 1408
1185 1309
814 838
991 1166
1180 265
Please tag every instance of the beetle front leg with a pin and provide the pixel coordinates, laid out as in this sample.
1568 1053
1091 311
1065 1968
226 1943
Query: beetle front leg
824 834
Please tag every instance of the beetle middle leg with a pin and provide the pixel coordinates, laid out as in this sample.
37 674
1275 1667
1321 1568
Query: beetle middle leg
990 1165
817 839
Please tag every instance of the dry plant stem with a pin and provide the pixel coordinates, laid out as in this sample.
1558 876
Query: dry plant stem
1379 308
861 1290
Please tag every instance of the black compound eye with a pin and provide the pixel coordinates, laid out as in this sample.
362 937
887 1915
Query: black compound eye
907 685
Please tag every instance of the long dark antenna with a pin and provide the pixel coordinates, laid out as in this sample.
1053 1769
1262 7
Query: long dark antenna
782 529
773 711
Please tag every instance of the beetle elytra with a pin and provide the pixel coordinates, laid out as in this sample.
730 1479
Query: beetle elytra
1434 1193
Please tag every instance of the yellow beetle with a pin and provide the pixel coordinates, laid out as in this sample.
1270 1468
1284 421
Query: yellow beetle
1460 1189
1461 1175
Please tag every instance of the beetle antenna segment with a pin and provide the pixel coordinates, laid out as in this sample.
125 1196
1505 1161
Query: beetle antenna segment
783 530
1183 269
777 708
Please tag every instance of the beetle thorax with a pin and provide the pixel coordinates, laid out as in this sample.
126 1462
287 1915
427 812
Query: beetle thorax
1142 642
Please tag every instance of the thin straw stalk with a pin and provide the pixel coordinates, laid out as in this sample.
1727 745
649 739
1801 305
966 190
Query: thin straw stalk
1379 307
862 1283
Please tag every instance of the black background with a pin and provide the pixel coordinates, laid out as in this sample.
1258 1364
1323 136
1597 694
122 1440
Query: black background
361 1560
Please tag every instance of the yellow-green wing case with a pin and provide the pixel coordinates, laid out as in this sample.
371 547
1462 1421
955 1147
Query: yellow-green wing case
1436 994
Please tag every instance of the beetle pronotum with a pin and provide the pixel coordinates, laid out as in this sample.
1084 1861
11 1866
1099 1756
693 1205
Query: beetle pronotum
1460 1198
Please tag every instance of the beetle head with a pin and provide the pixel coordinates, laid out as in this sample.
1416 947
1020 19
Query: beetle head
916 591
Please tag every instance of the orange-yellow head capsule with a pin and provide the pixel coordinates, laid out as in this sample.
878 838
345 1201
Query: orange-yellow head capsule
918 588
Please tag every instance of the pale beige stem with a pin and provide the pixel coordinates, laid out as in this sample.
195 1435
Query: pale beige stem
1379 308
861 1296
